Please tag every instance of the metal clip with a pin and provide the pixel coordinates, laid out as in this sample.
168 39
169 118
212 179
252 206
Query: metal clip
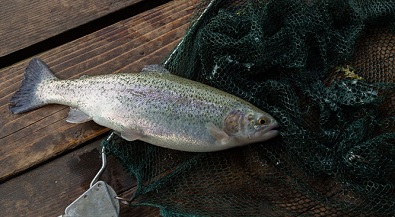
102 168
99 200
103 162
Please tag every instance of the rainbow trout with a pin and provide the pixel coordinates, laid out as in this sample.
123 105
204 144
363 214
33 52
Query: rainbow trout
153 106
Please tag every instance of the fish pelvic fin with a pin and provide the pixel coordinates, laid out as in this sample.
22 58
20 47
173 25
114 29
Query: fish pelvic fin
27 98
130 134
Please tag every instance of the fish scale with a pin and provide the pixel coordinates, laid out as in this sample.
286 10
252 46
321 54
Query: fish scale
153 106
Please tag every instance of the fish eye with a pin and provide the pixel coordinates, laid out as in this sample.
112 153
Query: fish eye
262 121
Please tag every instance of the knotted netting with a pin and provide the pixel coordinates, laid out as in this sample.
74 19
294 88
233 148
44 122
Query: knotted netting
325 70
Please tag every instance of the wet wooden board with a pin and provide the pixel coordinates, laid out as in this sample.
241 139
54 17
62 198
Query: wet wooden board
29 22
29 139
50 188
47 163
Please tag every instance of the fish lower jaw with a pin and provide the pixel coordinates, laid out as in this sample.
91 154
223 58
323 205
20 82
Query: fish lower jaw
271 134
266 134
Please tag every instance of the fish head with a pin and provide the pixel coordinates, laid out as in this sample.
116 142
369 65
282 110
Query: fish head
250 125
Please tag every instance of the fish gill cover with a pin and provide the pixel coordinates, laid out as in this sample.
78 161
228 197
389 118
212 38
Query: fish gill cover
325 71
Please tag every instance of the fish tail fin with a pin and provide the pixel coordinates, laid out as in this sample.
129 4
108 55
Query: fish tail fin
27 98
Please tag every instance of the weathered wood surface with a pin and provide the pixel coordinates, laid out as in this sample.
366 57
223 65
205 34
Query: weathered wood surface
24 23
50 188
29 139
46 162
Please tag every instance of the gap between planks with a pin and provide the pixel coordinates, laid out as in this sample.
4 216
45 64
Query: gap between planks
113 49
24 23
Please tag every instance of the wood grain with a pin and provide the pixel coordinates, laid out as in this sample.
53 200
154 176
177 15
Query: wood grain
50 188
31 138
24 23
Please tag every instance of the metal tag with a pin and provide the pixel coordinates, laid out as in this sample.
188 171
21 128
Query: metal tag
99 200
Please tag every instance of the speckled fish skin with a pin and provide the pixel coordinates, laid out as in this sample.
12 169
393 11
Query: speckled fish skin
156 107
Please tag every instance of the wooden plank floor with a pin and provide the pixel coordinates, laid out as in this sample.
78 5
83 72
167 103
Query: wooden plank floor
25 23
47 162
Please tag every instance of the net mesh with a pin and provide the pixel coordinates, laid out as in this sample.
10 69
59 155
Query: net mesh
325 71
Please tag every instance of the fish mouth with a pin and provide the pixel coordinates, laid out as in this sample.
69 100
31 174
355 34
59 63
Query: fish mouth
269 132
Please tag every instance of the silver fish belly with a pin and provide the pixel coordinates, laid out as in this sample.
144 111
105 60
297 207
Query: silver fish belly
153 106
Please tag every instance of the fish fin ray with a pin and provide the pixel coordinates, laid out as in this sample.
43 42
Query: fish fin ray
76 116
26 99
221 137
155 69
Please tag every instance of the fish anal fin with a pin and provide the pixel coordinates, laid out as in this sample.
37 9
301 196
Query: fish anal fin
155 68
221 137
76 116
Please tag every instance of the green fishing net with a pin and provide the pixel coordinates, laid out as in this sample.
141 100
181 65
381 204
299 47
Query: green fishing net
325 71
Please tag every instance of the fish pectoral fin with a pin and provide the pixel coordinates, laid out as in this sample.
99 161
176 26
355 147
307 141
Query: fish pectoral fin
221 138
131 134
76 116
155 69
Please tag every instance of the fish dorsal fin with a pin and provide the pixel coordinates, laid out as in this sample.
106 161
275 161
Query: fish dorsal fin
155 68
221 138
84 76
76 116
